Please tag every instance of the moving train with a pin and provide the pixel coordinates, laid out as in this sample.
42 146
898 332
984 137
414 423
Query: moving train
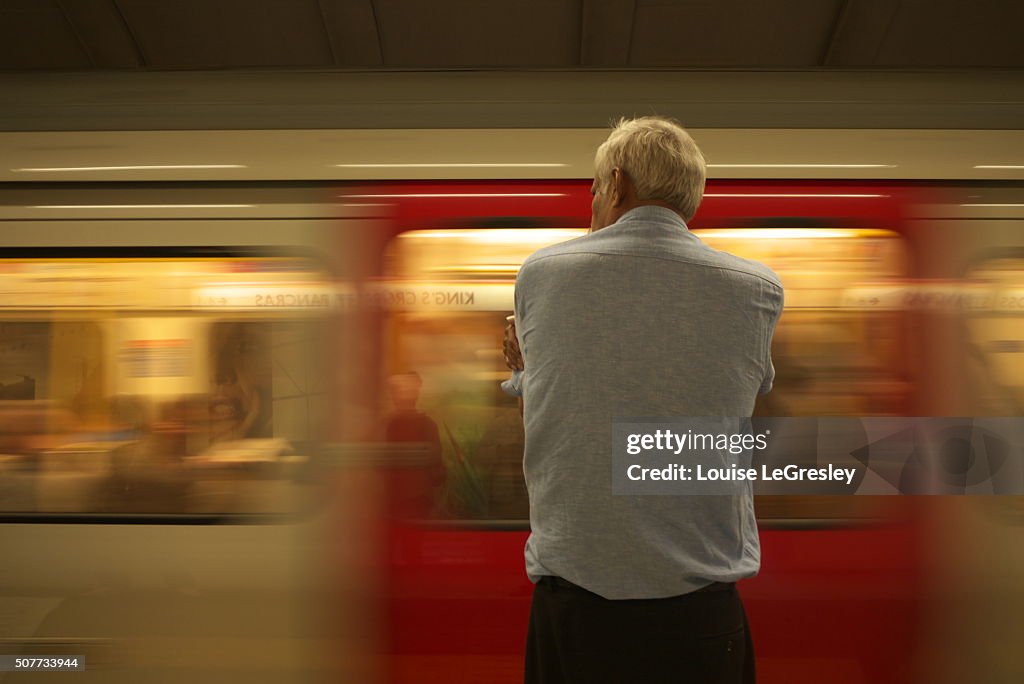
205 336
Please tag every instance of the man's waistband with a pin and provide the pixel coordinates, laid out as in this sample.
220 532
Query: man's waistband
559 583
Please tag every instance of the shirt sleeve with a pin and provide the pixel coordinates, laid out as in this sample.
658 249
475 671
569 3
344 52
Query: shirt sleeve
777 299
514 385
769 378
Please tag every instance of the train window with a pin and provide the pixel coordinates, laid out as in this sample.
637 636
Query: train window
159 386
831 356
450 291
995 337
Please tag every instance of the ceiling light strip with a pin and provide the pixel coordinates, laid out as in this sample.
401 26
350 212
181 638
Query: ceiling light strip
455 165
459 195
786 195
144 167
801 166
141 206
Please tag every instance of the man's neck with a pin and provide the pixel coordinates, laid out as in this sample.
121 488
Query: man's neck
647 203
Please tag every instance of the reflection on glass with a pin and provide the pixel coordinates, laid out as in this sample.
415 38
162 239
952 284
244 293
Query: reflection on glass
830 358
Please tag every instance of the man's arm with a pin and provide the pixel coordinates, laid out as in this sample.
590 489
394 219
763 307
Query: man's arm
513 359
510 346
514 385
769 377
777 298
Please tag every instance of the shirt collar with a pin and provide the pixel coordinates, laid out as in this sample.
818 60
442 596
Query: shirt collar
653 213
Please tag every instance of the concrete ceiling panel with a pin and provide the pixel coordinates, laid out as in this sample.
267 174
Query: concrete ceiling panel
699 33
480 33
510 34
861 32
607 32
352 27
103 32
35 34
228 33
954 33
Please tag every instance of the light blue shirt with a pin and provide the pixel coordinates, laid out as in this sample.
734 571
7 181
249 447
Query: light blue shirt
639 319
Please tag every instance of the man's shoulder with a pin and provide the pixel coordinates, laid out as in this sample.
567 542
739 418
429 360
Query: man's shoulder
558 249
546 259
685 253
748 267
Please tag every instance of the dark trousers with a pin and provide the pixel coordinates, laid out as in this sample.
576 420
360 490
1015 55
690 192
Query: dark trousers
576 636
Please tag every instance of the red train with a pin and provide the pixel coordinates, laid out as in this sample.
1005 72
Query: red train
457 595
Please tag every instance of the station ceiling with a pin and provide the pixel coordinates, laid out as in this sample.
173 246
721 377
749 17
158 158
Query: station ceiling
509 34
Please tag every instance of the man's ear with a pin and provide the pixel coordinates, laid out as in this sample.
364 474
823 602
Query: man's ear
619 186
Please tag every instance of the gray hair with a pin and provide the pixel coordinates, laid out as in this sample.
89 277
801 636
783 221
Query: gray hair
661 159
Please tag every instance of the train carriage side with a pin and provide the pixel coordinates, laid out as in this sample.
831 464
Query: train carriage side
165 393
458 596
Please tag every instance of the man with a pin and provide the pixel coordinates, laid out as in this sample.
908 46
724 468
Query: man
637 319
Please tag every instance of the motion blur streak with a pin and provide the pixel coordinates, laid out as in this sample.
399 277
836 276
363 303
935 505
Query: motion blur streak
252 430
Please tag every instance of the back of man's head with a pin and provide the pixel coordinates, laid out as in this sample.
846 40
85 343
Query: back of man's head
661 159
